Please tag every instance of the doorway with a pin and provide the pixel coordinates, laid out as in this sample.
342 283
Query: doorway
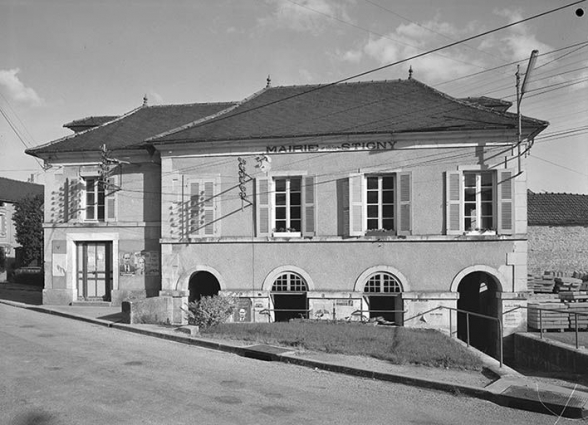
94 271
202 284
478 294
289 297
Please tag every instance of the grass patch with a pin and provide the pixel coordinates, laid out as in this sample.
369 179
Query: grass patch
397 345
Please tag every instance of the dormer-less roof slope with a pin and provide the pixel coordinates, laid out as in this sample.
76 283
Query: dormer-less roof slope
346 109
557 209
15 190
131 129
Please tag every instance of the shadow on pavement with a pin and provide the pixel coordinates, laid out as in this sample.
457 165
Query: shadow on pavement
32 295
117 317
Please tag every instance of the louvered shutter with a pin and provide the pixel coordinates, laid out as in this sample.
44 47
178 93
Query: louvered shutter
454 203
356 204
263 206
404 204
76 190
208 209
193 213
111 191
505 203
309 208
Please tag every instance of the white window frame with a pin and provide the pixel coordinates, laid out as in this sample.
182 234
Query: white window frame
287 230
96 205
380 203
478 201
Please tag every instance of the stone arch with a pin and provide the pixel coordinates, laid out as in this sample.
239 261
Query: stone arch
362 279
499 278
184 280
275 273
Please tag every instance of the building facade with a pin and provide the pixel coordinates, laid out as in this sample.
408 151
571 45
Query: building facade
383 200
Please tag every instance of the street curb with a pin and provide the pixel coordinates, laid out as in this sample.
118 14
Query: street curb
496 396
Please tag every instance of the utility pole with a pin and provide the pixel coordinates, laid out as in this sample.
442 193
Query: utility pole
521 89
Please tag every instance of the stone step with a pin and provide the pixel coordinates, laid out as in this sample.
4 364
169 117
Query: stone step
96 303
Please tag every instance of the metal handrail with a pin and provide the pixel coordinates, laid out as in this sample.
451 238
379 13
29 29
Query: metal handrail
541 310
468 313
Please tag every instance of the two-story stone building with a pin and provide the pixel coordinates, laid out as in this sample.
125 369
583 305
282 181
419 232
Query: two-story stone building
365 199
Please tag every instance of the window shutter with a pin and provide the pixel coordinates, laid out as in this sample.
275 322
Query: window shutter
76 189
194 207
356 204
111 198
506 202
263 205
208 204
309 206
454 200
404 204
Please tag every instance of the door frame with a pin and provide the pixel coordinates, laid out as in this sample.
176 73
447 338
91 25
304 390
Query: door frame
86 280
72 260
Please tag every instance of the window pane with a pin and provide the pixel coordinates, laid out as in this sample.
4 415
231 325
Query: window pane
295 224
388 182
100 212
90 213
487 223
280 199
281 225
486 194
295 212
295 199
281 213
372 224
295 184
486 179
280 185
487 208
372 211
372 197
388 211
388 197
388 223
470 180
470 195
372 182
469 224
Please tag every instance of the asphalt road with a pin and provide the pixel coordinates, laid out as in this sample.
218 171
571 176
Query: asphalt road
60 371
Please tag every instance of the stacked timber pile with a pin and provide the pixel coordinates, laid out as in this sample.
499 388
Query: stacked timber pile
578 307
541 284
540 319
567 284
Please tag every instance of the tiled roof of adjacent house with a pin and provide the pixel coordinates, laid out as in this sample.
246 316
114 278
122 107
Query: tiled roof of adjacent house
88 122
15 190
346 109
131 129
557 209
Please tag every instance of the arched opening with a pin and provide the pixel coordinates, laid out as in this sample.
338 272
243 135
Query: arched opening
289 297
477 294
384 294
202 284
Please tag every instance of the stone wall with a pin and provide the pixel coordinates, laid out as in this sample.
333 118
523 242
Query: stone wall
560 248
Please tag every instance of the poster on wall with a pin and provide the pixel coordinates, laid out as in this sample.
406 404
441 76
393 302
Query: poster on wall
143 263
243 311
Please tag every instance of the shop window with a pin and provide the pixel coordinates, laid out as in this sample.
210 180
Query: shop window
480 202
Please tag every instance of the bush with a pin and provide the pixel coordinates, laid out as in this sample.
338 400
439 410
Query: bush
210 311
28 278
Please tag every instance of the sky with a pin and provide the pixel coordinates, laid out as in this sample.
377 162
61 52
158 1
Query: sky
62 60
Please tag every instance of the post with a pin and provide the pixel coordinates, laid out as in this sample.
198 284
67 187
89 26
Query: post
468 327
576 323
540 322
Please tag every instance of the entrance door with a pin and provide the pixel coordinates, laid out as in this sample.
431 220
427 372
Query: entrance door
94 270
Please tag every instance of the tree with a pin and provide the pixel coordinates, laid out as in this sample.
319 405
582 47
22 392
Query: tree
28 221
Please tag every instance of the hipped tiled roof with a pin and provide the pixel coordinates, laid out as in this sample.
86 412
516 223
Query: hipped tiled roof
557 209
131 129
347 109
15 190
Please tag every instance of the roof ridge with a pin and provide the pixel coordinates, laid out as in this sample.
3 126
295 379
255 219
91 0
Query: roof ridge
209 117
229 102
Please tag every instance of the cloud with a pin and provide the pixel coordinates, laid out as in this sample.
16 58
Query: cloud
519 41
304 15
16 90
411 39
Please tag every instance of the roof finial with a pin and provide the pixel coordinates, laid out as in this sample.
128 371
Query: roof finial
410 73
145 100
268 82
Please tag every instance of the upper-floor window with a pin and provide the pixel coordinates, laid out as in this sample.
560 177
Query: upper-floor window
377 203
285 205
95 198
288 204
3 230
380 195
480 202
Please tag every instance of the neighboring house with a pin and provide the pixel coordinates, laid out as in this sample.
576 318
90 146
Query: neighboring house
558 233
380 198
12 191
